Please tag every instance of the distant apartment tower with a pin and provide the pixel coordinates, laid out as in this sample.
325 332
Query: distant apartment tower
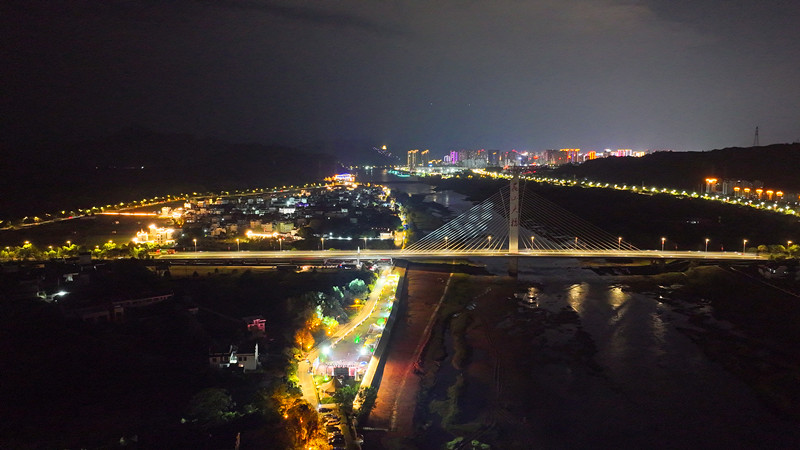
569 155
454 157
413 158
493 157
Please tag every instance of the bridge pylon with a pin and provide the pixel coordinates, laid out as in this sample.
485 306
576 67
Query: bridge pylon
513 212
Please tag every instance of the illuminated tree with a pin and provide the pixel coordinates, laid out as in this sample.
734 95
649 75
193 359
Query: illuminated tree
304 338
330 324
344 397
357 287
28 251
368 397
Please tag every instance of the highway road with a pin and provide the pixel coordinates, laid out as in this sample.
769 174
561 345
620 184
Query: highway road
316 255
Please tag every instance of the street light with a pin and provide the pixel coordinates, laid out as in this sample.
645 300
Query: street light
445 242
707 239
744 246
532 239
619 243
195 244
237 244
365 242
663 239
323 243
280 244
490 241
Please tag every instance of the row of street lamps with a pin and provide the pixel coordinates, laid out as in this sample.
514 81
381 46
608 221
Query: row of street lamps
489 243
707 240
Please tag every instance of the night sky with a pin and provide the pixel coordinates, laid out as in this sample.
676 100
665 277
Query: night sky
684 75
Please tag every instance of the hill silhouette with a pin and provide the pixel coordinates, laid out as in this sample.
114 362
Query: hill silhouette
137 163
777 166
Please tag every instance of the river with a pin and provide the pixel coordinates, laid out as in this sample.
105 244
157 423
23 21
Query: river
624 371
412 185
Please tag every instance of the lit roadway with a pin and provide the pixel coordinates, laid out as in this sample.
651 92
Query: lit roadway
306 379
316 255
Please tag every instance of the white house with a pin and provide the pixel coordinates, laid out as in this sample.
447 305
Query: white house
247 360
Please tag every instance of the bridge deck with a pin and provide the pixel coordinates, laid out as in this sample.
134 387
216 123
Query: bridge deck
317 255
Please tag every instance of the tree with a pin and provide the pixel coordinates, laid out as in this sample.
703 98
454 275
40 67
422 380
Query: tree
357 287
303 421
306 232
368 398
344 397
212 406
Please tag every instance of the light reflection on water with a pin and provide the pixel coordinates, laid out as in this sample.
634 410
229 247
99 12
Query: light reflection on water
617 297
659 331
632 377
576 295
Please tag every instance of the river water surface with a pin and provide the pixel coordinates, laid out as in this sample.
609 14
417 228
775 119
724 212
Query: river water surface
624 374
412 185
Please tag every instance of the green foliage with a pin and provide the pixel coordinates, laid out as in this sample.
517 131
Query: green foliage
329 322
344 397
368 397
211 407
357 287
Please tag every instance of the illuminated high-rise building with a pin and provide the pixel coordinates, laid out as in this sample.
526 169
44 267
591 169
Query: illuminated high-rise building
413 158
569 155
454 157
493 157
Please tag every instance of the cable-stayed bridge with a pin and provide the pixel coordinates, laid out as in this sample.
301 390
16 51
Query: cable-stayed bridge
511 223
542 227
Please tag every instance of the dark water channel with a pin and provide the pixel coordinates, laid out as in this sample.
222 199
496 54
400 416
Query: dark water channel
412 185
625 374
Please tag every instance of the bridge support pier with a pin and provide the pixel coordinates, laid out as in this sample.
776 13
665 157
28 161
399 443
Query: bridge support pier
513 266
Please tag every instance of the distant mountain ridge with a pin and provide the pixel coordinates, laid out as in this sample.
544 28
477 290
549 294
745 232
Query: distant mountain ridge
777 166
352 152
137 163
